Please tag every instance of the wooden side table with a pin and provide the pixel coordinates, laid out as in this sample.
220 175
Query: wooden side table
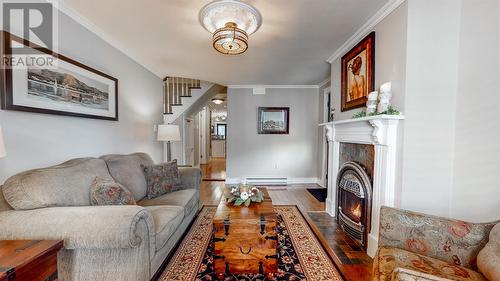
34 260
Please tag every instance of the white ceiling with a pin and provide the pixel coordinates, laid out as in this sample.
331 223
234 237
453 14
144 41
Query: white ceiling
291 47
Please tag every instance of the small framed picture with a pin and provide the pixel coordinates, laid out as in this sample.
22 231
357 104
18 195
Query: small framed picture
274 120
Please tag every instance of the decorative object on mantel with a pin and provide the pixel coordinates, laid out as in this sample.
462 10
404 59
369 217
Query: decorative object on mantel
243 194
371 103
274 120
390 111
230 22
66 88
384 98
379 103
358 73
3 153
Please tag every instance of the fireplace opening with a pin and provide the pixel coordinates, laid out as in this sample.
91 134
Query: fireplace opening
354 201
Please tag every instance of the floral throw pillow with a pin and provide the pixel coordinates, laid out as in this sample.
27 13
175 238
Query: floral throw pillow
162 178
109 192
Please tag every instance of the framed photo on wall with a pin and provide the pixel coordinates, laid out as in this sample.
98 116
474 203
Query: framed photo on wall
274 120
66 88
358 73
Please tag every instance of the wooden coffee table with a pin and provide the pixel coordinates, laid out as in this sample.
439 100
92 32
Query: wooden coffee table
33 260
245 239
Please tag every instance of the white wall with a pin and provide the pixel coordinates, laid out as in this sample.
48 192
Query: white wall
477 125
251 154
431 85
38 140
390 61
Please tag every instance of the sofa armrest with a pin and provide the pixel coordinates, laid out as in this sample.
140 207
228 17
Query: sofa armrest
190 177
449 240
92 227
488 259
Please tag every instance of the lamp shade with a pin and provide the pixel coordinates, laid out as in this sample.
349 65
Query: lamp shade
2 145
168 133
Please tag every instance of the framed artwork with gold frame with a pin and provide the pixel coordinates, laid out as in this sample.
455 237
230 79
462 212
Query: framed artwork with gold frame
358 73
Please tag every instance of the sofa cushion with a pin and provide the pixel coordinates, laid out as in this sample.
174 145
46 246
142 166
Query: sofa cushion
109 192
126 169
488 259
449 240
188 199
166 219
388 259
161 179
63 185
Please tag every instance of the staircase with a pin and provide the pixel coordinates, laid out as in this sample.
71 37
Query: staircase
179 94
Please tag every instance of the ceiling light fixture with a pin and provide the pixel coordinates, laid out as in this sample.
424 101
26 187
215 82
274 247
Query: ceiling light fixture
230 22
217 101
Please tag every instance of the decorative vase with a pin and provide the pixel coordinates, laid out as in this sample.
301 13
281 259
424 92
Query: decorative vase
371 103
384 97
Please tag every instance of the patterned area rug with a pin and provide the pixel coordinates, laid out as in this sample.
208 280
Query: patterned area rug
300 255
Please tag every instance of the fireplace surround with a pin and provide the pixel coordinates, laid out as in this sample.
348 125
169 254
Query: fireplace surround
381 131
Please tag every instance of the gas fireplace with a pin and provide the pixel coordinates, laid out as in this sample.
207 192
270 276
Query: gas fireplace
354 201
372 143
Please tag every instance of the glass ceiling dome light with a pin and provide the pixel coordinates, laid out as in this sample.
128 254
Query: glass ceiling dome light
230 22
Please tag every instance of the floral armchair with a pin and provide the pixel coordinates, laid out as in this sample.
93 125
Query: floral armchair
415 246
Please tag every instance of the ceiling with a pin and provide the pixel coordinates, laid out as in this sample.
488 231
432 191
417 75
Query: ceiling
291 47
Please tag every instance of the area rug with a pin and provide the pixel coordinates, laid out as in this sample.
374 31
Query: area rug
300 254
319 193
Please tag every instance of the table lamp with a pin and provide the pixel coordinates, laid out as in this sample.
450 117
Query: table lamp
168 133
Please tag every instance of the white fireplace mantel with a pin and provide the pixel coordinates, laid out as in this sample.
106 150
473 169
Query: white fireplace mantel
381 131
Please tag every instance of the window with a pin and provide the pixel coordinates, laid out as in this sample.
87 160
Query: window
221 130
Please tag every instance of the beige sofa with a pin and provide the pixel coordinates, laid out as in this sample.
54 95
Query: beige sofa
420 247
100 242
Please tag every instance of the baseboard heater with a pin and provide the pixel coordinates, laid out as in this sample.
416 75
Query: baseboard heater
266 181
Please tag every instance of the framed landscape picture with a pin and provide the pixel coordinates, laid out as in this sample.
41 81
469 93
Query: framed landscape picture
274 120
68 88
358 73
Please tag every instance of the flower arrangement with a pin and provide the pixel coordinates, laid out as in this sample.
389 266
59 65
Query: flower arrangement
244 194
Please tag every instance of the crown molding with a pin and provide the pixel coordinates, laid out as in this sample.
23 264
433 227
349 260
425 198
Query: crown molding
273 86
386 10
324 82
73 14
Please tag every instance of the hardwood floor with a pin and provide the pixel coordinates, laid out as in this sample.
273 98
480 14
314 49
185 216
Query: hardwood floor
351 260
211 192
215 170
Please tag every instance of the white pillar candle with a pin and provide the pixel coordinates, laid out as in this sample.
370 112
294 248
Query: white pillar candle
386 87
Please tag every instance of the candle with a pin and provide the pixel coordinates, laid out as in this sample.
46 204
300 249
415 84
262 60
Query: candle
386 87
373 95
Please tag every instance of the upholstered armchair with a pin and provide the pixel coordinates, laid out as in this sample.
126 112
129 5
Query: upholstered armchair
417 247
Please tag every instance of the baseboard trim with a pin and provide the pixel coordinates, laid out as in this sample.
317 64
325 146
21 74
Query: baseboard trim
289 181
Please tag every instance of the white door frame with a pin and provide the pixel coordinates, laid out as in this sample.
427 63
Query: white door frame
203 135
185 122
324 158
